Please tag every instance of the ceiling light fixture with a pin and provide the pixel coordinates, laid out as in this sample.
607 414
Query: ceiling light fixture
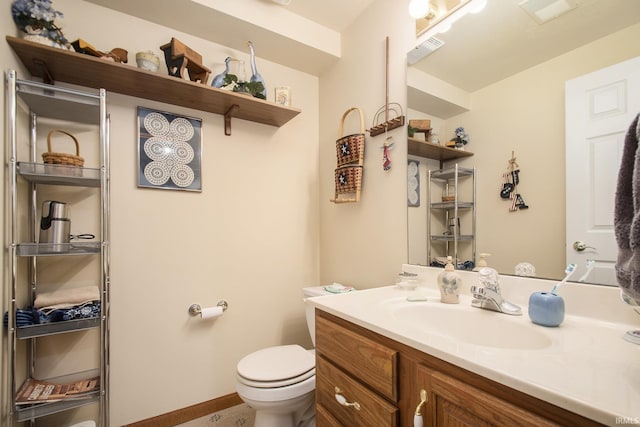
282 2
420 9
446 23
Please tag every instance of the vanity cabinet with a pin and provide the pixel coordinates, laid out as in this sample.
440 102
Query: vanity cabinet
347 356
73 345
451 214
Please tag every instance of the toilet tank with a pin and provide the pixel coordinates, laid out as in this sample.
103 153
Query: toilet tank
312 291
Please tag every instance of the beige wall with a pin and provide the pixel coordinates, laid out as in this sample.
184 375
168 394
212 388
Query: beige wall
364 244
250 237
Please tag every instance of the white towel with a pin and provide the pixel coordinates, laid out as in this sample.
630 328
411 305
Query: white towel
63 298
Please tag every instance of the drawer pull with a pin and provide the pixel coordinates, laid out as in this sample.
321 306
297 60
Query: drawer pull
343 400
417 416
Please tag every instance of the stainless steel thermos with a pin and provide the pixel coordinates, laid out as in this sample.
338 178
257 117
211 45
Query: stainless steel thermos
55 225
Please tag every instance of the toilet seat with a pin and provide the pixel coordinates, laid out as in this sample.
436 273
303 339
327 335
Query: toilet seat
278 366
275 384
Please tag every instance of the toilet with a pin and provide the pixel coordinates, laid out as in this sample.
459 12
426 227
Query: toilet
279 382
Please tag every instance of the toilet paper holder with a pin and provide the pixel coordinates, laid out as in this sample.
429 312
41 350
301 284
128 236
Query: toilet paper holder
196 309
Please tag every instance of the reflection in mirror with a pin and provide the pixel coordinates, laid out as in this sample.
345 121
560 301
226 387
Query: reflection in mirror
502 75
428 13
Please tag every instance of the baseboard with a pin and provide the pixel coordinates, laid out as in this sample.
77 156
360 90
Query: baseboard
190 413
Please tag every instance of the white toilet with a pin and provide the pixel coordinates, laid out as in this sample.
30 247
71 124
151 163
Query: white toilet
279 382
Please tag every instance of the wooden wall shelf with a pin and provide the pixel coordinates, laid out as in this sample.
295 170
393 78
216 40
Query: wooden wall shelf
51 63
429 150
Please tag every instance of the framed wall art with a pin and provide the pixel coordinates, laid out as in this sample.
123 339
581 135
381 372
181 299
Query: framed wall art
413 183
282 96
169 151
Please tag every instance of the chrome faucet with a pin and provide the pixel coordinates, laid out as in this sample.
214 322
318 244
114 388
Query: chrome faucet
487 294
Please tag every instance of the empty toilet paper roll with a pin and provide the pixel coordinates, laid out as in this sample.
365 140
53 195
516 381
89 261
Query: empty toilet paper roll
211 312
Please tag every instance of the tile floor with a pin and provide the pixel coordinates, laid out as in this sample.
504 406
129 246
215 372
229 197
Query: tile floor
236 416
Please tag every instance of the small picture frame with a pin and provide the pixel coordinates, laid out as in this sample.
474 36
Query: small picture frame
283 96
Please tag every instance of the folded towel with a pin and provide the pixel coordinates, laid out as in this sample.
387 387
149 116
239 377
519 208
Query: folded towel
627 214
337 288
64 298
31 316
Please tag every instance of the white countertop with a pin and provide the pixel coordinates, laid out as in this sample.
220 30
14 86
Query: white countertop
584 365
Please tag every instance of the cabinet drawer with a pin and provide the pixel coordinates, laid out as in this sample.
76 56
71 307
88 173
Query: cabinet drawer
370 362
373 410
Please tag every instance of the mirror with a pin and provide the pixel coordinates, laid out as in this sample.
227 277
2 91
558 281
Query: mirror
501 75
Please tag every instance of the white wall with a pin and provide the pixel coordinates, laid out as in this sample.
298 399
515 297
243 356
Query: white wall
250 237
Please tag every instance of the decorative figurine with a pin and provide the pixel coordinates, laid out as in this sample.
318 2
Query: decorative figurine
386 147
255 76
218 81
509 189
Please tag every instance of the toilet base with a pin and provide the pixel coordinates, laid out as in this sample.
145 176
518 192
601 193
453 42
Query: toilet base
269 415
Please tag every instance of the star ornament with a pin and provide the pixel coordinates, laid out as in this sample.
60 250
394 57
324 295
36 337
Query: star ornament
344 149
342 178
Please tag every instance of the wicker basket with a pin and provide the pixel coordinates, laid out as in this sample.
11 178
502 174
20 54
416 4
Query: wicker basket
348 179
350 148
65 159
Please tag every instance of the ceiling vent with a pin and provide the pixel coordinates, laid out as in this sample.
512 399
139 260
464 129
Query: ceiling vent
545 10
424 49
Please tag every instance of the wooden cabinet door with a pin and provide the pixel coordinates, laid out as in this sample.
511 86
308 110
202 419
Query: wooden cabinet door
452 403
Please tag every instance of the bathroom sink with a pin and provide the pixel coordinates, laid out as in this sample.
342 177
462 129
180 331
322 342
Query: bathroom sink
470 325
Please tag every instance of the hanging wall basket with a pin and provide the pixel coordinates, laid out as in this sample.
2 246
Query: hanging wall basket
348 184
350 148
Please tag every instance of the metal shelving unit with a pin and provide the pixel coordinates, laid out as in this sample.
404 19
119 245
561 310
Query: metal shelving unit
25 180
448 239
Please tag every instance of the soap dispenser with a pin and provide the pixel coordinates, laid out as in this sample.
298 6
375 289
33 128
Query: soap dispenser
482 262
449 283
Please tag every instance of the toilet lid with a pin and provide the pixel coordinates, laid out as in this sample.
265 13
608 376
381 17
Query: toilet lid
275 364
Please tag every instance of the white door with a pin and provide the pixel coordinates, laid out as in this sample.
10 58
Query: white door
600 106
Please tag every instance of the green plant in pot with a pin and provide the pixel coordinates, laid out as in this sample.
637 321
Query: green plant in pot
254 89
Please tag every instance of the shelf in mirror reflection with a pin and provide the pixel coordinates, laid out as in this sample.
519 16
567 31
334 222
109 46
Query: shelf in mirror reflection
449 237
430 150
451 205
